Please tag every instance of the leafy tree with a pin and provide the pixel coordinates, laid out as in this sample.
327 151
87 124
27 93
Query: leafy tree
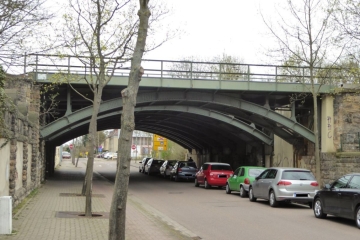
305 35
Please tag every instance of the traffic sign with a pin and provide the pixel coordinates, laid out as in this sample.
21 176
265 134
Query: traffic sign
133 147
71 146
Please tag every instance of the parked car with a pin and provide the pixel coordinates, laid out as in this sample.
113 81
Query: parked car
66 155
110 155
341 199
284 185
114 155
242 178
143 163
213 174
152 167
183 170
166 168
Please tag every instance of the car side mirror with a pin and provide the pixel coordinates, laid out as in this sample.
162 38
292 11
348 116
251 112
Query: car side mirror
257 178
327 186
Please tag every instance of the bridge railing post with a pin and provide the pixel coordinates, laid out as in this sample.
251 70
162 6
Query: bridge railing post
162 68
219 71
191 70
25 62
276 74
248 72
36 67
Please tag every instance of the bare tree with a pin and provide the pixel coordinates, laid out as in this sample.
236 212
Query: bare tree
20 20
103 29
304 33
129 94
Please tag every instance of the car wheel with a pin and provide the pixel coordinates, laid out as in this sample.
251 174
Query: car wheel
139 170
251 195
196 182
227 189
242 192
318 211
357 217
272 199
207 186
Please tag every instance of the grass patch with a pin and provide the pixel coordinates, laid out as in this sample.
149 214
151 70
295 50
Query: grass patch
25 201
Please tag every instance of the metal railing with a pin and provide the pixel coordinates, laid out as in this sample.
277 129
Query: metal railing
350 142
42 63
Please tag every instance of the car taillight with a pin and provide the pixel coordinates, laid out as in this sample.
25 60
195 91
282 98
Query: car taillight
247 181
179 170
314 184
283 183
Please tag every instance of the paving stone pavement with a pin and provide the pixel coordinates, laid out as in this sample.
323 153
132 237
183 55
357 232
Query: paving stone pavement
39 219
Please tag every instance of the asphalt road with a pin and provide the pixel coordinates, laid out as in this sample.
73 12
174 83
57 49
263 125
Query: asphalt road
212 214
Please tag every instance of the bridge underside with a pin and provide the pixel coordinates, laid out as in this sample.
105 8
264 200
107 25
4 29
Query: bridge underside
208 121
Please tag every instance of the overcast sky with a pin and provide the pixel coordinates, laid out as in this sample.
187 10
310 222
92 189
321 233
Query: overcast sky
214 27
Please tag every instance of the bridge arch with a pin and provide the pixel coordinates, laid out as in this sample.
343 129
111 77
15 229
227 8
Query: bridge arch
227 111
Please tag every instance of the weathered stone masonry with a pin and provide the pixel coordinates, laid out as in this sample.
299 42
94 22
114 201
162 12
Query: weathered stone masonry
22 134
346 158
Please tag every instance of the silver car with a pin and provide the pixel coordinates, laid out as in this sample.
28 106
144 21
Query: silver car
284 185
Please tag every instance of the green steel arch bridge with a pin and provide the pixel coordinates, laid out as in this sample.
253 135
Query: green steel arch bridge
199 105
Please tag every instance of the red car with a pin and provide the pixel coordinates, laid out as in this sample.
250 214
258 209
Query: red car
213 174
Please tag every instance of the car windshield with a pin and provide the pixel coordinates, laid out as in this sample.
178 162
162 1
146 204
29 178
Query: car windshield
254 172
297 175
220 167
188 164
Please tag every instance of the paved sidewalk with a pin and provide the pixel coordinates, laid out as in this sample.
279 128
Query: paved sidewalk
48 214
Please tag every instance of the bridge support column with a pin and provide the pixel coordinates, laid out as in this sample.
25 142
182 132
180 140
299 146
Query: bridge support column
327 126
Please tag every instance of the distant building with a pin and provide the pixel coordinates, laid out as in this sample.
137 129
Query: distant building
142 143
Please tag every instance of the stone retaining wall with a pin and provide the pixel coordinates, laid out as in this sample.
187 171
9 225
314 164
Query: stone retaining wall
21 166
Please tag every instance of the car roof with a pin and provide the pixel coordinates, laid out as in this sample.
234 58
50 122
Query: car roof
216 163
289 168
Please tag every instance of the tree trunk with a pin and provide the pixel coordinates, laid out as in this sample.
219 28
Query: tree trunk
118 206
90 162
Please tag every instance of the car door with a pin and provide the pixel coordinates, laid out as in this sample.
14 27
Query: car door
257 183
148 164
232 181
240 178
201 173
266 183
349 197
174 169
331 198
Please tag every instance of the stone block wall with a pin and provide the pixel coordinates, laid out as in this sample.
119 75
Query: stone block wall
347 122
21 162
